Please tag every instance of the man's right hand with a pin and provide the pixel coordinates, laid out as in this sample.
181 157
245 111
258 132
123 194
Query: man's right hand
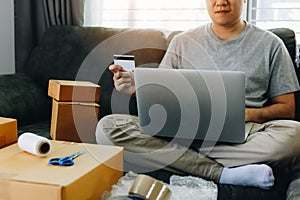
123 80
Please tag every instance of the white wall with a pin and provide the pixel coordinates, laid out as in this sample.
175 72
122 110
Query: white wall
7 49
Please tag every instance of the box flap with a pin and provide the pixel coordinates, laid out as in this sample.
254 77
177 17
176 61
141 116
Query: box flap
77 103
6 120
80 91
76 83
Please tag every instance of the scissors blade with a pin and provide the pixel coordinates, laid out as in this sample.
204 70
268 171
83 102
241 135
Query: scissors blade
75 155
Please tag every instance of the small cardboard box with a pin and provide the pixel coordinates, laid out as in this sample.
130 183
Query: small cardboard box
8 131
78 91
74 121
26 176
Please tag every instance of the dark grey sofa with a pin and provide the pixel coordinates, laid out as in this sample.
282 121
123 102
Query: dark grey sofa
84 53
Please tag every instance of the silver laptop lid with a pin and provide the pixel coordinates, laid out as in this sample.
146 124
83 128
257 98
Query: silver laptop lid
191 104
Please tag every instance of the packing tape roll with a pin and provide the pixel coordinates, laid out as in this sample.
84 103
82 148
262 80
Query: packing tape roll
34 144
150 188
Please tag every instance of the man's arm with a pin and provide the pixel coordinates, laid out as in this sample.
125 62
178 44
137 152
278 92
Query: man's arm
282 107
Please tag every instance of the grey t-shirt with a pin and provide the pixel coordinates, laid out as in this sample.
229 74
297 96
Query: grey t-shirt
261 55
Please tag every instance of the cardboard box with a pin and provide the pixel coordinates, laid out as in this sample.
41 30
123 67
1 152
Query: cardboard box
8 131
78 91
74 121
26 176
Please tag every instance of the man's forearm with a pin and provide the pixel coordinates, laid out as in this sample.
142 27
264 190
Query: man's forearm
272 112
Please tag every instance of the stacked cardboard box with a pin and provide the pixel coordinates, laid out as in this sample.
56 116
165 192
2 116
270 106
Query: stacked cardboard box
8 131
75 110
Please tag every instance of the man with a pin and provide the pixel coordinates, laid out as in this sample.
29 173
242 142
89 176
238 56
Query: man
227 43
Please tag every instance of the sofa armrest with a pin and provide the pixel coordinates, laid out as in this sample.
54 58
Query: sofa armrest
22 99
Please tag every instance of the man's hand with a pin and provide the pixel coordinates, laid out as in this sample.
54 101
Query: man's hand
123 80
282 107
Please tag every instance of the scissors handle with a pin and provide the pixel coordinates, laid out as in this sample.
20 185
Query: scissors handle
65 161
54 161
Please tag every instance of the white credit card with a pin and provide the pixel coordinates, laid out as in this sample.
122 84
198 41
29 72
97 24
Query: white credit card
125 61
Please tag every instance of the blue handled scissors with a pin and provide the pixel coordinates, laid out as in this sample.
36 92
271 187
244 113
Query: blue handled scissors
65 161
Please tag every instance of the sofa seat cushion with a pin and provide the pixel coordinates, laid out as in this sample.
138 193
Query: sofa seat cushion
40 128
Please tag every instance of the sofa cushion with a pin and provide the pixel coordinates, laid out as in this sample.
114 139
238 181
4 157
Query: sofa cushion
62 50
84 53
22 99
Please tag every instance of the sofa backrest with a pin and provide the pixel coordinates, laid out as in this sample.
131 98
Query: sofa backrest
64 50
84 53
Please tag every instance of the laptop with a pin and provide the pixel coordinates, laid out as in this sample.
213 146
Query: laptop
206 105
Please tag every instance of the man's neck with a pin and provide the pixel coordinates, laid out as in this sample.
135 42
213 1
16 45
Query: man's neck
228 32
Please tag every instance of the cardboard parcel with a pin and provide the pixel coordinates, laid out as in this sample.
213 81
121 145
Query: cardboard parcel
8 131
75 110
26 176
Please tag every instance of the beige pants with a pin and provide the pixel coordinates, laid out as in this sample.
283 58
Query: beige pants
276 143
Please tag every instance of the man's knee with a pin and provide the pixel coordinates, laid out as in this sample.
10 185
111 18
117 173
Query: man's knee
291 126
293 143
111 128
288 146
296 126
102 130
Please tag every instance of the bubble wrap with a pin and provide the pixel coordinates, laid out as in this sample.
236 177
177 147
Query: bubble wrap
182 187
192 188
